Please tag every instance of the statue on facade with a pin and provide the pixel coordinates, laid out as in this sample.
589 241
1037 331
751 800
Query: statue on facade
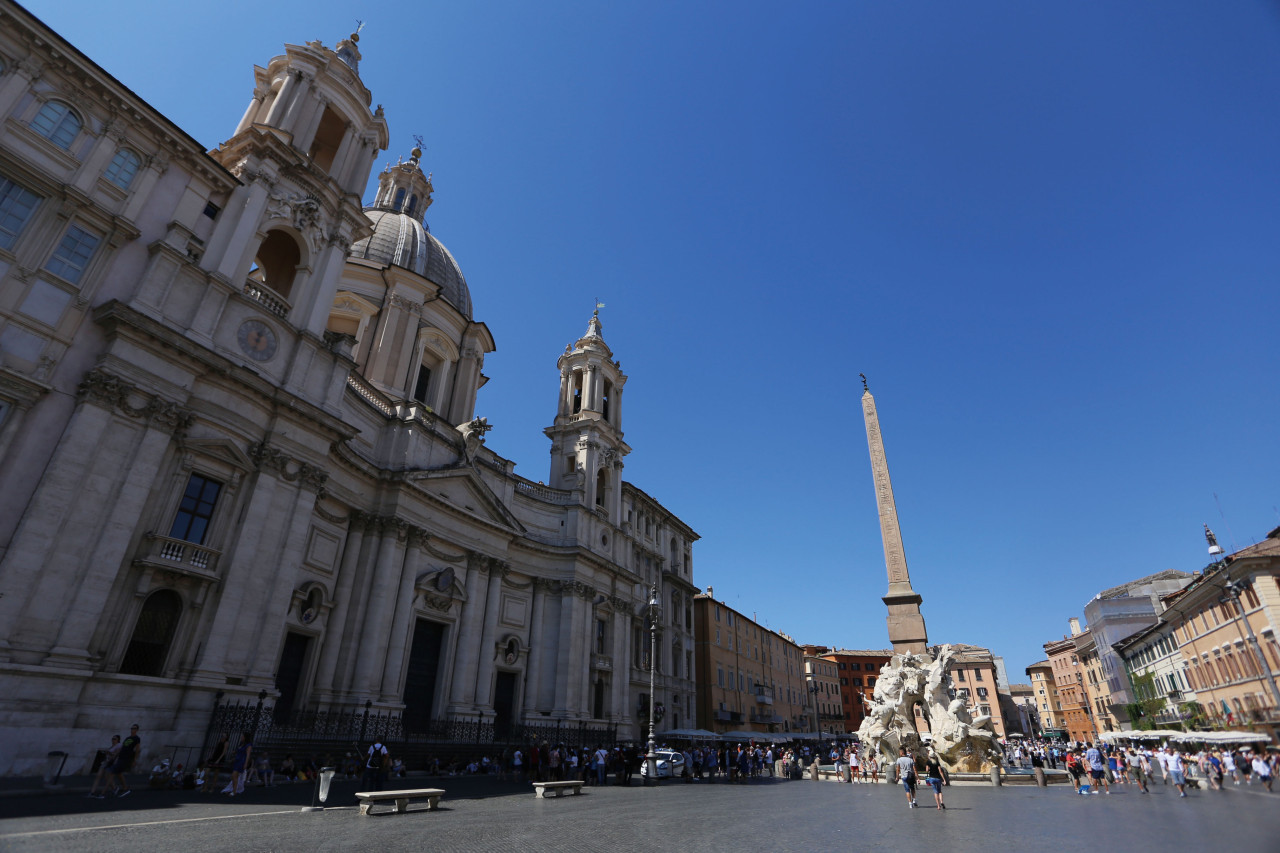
473 438
961 742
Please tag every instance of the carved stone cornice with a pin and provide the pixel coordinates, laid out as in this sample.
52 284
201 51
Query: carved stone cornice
485 563
276 461
406 304
442 555
115 394
330 517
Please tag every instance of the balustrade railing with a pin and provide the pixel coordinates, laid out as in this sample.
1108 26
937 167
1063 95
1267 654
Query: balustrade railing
371 395
266 297
164 549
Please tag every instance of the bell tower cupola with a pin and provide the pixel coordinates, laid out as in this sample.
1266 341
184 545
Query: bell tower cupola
587 444
303 153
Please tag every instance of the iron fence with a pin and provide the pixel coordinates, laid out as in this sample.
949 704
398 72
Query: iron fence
324 735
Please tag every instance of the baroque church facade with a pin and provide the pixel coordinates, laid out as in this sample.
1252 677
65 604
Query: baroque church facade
239 451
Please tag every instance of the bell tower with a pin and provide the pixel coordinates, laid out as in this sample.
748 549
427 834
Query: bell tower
302 152
586 437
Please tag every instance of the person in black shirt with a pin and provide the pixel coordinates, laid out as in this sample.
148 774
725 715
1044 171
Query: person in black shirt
933 775
129 750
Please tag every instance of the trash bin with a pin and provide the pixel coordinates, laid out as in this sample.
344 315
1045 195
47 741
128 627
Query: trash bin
53 770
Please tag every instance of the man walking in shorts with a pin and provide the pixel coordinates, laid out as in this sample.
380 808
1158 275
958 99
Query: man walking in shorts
1097 768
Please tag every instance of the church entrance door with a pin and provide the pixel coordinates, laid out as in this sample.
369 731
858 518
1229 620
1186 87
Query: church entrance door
420 681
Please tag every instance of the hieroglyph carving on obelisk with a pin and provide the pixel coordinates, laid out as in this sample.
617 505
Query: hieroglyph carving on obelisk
906 624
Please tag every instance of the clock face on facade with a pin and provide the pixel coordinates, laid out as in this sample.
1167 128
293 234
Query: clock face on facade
257 340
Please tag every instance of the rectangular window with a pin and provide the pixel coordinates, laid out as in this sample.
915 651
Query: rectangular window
855 666
719 677
977 675
192 521
73 254
600 627
423 383
960 674
16 206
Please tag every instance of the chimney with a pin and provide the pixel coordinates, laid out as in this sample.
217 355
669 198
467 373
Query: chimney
1074 622
711 593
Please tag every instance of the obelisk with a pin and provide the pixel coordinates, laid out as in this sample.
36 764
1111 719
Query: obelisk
906 623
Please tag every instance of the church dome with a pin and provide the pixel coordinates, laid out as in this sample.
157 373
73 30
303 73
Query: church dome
401 240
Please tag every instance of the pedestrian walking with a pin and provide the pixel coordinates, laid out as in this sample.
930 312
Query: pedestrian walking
377 761
104 769
933 775
216 761
1177 771
1262 770
907 775
240 765
128 755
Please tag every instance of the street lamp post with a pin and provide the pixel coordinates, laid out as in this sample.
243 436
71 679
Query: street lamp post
652 757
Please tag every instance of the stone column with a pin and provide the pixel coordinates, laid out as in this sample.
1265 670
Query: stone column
91 587
283 98
403 624
251 112
591 391
27 558
309 123
334 632
340 162
462 696
238 568
286 559
373 637
566 384
228 251
564 656
489 638
533 674
621 661
298 106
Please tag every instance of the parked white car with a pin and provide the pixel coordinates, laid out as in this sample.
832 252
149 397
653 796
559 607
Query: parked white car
670 763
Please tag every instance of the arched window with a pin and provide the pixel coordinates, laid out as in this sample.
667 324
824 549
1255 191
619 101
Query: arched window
277 262
58 123
602 482
399 200
413 205
149 645
123 167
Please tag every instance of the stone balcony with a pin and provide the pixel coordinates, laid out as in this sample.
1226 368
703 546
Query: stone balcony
266 297
179 555
764 699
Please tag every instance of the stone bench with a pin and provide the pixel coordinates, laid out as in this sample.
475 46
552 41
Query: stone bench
402 798
540 788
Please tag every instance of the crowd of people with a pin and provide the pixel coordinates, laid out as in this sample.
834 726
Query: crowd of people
1092 768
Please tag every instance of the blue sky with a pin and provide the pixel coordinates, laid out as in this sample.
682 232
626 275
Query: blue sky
1047 232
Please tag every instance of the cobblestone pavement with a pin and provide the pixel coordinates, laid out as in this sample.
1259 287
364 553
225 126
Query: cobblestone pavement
484 815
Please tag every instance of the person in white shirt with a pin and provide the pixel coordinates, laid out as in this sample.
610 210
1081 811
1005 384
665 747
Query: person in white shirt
1262 770
1177 771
